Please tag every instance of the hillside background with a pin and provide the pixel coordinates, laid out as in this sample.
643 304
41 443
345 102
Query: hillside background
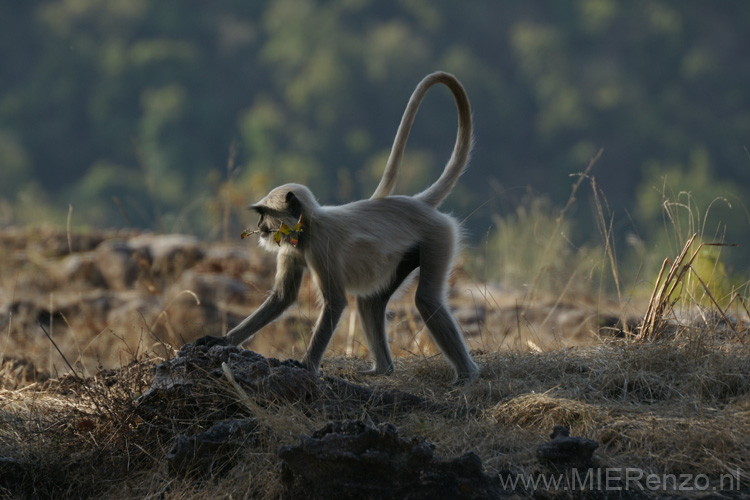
174 115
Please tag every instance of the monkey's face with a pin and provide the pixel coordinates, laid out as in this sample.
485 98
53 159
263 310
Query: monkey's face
265 222
279 207
269 223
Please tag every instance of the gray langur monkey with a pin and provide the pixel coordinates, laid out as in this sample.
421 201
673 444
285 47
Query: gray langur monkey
368 248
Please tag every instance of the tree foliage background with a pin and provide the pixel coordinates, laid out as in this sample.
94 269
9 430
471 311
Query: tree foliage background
172 115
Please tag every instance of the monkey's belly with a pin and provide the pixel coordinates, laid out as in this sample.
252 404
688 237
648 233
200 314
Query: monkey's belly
367 273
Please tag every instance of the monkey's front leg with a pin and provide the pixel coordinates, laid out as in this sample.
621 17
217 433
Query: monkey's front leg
333 306
289 270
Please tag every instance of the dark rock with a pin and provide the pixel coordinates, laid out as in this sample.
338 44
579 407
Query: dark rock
17 478
384 400
210 341
12 473
565 448
148 258
354 459
120 263
212 451
171 253
269 379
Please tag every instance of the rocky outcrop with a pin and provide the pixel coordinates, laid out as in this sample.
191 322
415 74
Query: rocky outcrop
564 448
114 291
268 379
211 452
354 459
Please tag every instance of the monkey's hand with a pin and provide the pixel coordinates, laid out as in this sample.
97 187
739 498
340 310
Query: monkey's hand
210 341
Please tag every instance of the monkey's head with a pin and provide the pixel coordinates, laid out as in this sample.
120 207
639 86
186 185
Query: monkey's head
285 204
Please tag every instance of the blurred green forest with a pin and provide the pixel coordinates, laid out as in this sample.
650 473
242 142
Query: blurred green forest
173 115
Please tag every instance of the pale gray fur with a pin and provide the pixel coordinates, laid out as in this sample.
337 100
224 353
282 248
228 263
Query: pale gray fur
368 248
436 193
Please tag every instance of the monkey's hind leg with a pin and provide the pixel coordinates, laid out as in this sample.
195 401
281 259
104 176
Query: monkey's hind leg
435 262
448 337
372 315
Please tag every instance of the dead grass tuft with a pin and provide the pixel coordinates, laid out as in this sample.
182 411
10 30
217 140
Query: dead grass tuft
668 291
713 445
544 411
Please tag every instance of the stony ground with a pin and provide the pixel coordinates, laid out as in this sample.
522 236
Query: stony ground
105 297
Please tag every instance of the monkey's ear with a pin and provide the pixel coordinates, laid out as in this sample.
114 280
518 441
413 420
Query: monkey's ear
294 207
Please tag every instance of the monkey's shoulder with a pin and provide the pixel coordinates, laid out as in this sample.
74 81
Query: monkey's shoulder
379 229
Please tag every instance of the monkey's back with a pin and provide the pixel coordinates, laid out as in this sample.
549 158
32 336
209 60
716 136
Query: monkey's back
361 241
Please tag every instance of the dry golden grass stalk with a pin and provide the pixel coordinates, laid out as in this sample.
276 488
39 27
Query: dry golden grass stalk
662 301
664 298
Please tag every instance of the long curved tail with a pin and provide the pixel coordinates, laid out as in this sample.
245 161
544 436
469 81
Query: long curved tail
437 192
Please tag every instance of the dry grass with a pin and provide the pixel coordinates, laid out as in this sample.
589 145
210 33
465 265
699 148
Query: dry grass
677 406
668 288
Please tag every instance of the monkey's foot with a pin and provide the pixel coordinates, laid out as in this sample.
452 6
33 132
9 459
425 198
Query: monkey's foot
465 379
377 371
308 365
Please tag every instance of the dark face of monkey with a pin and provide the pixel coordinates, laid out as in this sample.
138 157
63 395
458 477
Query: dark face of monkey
273 210
265 222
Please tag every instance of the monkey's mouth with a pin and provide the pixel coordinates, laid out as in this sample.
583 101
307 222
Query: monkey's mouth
263 227
266 231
